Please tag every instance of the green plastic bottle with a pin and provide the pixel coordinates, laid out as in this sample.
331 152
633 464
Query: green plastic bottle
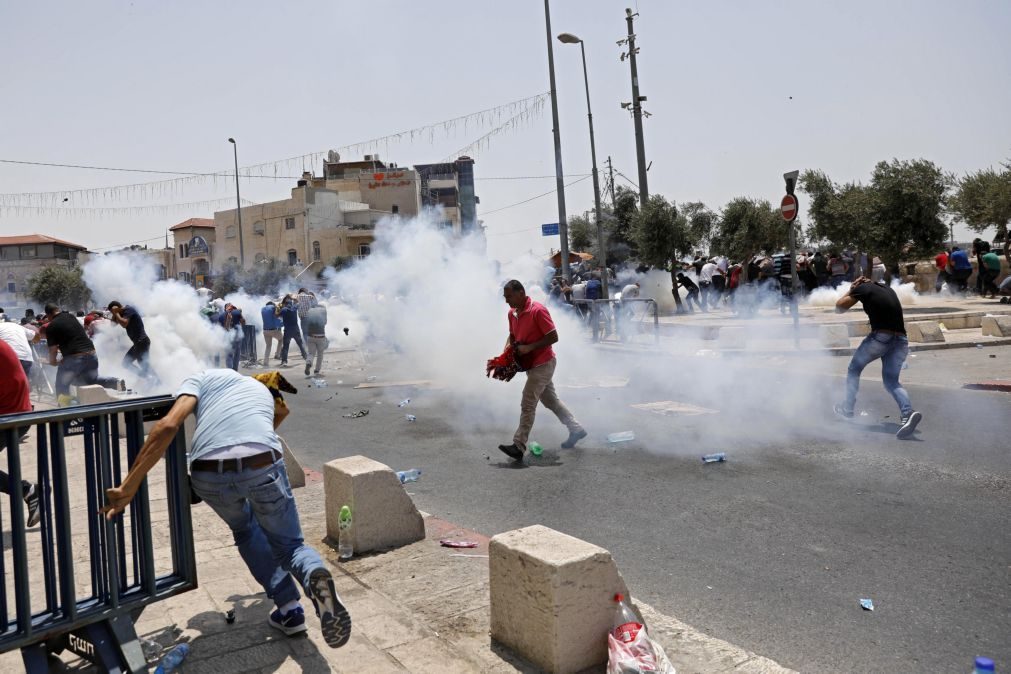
535 448
344 545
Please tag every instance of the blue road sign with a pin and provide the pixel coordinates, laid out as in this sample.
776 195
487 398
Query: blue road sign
550 229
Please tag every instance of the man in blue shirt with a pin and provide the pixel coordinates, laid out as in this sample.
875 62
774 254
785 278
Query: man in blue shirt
231 320
961 268
289 317
237 468
271 331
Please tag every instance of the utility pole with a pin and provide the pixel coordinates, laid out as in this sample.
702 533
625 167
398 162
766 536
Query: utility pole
610 179
563 224
640 148
238 203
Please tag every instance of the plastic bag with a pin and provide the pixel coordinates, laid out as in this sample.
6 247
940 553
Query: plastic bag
640 656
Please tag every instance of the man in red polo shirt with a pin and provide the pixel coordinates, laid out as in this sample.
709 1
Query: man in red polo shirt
14 399
532 332
941 262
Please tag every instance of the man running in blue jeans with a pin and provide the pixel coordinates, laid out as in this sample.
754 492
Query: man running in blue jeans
236 467
886 341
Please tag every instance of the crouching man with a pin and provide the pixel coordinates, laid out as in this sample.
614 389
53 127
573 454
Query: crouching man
237 468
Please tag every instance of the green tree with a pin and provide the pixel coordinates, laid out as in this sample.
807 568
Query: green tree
60 285
582 234
264 278
983 200
660 232
701 223
621 218
227 281
748 226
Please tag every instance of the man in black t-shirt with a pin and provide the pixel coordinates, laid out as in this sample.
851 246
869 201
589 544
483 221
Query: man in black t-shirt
130 318
79 364
886 341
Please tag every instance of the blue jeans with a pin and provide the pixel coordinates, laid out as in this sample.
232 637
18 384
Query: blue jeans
258 507
892 350
80 370
233 357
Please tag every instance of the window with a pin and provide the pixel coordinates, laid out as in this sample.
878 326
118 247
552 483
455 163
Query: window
258 227
233 260
230 232
45 250
364 249
184 276
292 258
395 209
12 287
28 252
289 223
315 251
10 253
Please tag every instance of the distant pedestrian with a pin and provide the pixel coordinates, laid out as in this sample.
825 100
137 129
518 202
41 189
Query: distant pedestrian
706 276
941 262
878 270
78 365
838 270
683 281
15 399
305 301
316 342
819 265
16 337
960 268
232 320
531 334
989 269
979 249
289 319
237 468
887 341
128 317
272 325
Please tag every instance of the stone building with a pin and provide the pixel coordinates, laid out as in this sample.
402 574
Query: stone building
21 257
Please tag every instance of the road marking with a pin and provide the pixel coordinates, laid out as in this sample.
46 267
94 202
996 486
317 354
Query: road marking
673 407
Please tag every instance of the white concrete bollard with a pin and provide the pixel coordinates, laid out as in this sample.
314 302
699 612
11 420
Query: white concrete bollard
552 597
924 331
837 335
996 326
383 516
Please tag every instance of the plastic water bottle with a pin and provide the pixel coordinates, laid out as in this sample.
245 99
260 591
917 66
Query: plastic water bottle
983 666
404 403
173 659
535 448
344 547
624 436
411 417
626 624
412 475
719 457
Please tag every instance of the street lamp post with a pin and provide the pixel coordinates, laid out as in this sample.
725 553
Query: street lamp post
563 224
569 38
238 202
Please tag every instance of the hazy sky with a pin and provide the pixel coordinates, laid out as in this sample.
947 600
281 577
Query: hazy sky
162 85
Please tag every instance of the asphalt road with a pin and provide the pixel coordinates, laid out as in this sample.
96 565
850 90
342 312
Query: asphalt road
771 550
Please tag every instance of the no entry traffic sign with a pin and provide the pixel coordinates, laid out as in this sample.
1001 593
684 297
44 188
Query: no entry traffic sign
788 207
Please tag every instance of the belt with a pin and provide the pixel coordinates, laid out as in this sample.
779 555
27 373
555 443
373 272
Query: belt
261 460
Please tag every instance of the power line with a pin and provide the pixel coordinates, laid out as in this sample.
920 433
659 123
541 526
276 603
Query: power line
525 201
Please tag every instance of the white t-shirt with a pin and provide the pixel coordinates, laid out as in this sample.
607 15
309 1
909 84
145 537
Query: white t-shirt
631 291
232 409
15 335
721 264
708 270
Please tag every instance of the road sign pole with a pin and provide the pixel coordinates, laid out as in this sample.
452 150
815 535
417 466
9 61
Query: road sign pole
790 208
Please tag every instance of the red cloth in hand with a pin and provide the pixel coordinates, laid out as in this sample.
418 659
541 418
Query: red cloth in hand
504 366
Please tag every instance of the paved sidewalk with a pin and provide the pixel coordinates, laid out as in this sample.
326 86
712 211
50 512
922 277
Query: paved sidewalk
415 609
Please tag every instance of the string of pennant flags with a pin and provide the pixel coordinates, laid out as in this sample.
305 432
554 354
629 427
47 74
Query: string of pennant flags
57 212
515 114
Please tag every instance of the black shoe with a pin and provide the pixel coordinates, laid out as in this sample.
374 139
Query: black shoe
841 412
334 619
307 368
512 451
908 425
573 439
32 501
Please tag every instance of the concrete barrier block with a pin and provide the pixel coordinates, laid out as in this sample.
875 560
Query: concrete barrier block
383 515
996 326
834 335
552 597
733 338
296 474
924 331
93 394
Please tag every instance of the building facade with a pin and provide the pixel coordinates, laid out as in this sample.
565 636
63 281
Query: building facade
21 257
194 242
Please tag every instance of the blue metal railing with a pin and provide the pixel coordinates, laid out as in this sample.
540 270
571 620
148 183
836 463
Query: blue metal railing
51 612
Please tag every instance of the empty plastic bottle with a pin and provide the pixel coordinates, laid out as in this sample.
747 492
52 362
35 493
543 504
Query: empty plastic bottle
983 666
535 448
173 659
411 417
626 624
404 403
344 547
719 457
412 475
624 436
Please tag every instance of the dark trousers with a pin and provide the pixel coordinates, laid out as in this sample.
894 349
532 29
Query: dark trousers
290 334
80 370
26 365
693 296
138 354
706 289
988 279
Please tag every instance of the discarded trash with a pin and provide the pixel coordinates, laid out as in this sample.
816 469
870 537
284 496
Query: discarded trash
629 648
152 649
372 378
459 554
411 417
412 475
173 659
719 457
624 436
943 327
230 616
983 665
626 625
347 331
404 403
450 543
993 355
328 399
319 383
357 415
979 346
867 604
535 448
864 413
344 546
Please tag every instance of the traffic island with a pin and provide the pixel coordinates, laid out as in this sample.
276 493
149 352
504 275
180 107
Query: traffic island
996 326
552 597
383 516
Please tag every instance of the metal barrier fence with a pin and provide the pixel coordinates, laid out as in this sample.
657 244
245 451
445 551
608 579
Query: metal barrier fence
626 320
247 352
90 609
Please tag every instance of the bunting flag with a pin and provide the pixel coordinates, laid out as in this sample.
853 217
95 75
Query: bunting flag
57 212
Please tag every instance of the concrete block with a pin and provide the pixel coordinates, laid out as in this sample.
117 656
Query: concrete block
834 335
296 474
733 338
552 597
996 326
924 331
383 515
93 395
